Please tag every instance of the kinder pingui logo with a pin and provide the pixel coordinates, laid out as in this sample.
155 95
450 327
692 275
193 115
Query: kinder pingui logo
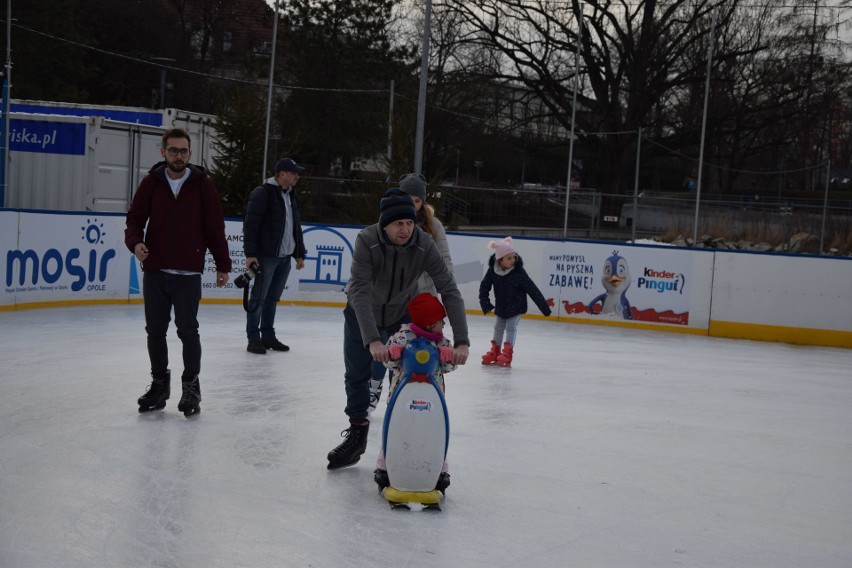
87 266
420 406
662 280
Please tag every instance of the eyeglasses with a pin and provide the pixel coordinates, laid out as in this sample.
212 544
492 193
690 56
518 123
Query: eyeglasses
175 151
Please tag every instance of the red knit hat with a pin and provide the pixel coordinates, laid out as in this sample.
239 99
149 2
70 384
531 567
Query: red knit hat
425 309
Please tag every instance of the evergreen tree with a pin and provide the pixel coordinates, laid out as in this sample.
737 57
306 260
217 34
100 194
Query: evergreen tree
332 48
44 68
241 123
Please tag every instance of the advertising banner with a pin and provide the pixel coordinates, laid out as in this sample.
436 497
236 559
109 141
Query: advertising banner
628 283
47 137
326 270
50 257
59 257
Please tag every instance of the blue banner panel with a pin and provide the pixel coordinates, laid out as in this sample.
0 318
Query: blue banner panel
47 137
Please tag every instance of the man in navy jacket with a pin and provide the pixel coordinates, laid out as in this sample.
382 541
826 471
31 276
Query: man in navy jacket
272 235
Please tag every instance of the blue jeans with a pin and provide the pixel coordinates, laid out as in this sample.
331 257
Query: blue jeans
510 326
162 292
260 324
359 364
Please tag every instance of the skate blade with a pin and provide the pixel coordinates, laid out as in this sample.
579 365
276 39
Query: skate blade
331 467
414 506
192 412
146 409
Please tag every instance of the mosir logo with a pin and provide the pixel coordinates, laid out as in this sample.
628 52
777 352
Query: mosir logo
420 406
42 271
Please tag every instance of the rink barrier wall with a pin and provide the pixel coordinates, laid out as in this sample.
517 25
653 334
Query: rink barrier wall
61 258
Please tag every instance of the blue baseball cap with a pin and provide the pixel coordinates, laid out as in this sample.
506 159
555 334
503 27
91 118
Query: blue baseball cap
288 165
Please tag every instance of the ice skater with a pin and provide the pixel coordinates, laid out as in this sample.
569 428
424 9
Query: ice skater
174 218
415 185
427 322
389 257
511 285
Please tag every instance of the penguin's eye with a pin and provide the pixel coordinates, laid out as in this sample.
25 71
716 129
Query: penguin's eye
622 268
607 270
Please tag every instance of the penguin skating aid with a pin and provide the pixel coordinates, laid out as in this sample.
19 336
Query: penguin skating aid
416 430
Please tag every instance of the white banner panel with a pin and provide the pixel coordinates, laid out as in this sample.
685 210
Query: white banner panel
648 284
656 285
8 243
80 257
66 257
786 291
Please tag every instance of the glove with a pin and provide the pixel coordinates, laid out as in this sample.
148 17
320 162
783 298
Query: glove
487 307
446 354
395 351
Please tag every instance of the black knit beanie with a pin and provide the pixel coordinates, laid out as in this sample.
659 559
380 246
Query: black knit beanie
396 205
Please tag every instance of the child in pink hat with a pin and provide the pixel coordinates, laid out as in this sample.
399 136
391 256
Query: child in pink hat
511 285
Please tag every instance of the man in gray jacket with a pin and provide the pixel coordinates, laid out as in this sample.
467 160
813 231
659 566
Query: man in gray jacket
389 258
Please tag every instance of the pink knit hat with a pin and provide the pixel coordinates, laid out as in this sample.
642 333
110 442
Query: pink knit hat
502 248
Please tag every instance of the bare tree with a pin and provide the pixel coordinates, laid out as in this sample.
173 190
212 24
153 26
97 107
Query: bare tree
644 63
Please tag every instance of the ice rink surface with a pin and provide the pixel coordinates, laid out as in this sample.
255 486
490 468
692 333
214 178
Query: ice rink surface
600 447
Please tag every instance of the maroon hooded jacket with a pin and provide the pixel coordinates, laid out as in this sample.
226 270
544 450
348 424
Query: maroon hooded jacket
180 229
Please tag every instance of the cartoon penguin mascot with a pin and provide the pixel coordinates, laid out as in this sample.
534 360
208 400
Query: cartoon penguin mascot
616 280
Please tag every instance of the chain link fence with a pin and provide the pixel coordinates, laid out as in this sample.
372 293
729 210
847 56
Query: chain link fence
758 223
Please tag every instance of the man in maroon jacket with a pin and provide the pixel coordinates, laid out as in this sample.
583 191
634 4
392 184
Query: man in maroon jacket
181 208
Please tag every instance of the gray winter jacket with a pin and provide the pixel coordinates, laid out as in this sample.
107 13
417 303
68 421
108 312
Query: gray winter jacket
384 278
440 237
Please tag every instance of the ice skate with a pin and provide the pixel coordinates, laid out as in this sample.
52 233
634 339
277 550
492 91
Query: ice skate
443 482
349 451
375 395
380 476
490 358
190 401
505 358
157 394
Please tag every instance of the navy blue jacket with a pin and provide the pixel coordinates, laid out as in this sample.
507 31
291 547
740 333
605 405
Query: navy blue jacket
510 291
263 225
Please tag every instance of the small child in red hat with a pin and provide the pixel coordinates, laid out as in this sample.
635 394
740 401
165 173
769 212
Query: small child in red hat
427 321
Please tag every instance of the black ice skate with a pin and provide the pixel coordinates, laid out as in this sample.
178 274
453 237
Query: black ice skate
443 481
349 451
190 401
380 476
157 394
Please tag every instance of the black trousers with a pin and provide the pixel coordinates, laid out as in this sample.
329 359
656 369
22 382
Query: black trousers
359 364
163 292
